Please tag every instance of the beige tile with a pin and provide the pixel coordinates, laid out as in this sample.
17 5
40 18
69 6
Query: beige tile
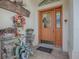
54 55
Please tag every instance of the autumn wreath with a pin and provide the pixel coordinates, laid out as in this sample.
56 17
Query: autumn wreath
19 22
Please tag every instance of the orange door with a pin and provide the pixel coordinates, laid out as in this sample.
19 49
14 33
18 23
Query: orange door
50 25
47 25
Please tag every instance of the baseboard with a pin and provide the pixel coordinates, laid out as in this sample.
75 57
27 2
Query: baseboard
47 42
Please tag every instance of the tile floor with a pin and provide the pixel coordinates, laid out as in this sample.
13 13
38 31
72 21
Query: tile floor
56 54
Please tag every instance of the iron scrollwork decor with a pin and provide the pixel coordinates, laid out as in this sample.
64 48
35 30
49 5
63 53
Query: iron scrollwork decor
44 2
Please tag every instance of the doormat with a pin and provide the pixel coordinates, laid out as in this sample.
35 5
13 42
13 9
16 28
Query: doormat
44 49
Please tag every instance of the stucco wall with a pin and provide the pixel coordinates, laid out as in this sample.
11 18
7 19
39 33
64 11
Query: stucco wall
70 41
74 30
6 18
75 53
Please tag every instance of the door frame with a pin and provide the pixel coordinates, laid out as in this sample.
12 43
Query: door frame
39 17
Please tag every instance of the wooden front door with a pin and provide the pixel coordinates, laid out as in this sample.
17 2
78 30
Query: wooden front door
50 26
